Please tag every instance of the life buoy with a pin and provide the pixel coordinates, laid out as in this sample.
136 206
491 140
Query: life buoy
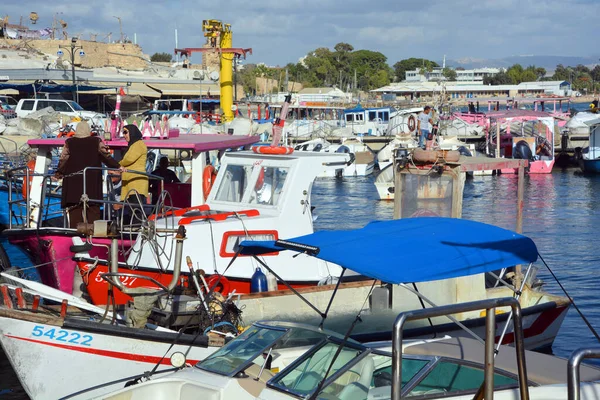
412 123
198 117
223 286
208 179
280 150
27 184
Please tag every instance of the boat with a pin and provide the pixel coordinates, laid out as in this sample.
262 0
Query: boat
254 196
362 160
41 327
51 246
277 360
590 160
364 121
281 360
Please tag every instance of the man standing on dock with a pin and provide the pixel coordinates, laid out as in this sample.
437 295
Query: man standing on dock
424 125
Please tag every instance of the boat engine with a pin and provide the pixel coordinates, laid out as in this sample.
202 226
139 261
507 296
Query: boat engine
523 151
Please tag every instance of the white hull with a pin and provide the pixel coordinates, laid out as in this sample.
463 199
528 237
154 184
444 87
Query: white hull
351 170
53 367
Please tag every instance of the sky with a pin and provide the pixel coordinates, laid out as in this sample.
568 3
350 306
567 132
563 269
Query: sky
281 31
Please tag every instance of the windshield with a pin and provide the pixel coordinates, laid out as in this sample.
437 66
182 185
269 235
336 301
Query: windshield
237 353
76 106
252 184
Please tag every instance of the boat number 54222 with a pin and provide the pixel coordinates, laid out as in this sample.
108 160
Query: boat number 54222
62 336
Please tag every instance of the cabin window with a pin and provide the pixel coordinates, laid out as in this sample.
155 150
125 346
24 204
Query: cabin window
372 115
234 183
269 186
27 105
232 239
349 117
360 117
384 116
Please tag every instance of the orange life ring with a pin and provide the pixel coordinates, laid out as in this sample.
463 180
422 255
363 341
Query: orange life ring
281 150
198 117
222 287
27 185
208 179
412 123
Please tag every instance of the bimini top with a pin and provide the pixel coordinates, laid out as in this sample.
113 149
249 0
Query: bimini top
412 249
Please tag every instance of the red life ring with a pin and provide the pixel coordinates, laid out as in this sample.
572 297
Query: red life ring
26 186
223 286
412 123
198 117
281 150
208 179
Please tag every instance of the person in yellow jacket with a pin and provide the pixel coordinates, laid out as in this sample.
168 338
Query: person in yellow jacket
134 187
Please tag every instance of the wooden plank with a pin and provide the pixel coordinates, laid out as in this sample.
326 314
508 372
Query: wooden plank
312 289
31 317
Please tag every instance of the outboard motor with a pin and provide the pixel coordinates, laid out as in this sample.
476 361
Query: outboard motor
523 151
464 151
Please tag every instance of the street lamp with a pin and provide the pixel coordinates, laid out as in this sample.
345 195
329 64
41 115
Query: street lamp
71 48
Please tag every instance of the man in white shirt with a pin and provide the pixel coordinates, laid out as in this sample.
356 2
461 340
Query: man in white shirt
424 125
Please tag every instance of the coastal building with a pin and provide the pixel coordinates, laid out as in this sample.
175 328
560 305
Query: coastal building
405 91
324 94
436 74
559 88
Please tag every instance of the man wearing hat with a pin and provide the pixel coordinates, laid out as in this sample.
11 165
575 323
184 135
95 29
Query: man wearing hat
82 151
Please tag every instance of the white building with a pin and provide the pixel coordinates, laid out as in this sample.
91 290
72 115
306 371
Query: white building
467 75
560 88
324 94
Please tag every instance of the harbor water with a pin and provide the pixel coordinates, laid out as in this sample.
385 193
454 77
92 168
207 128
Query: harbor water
561 214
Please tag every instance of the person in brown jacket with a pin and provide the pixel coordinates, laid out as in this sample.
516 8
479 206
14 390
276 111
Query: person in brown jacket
79 152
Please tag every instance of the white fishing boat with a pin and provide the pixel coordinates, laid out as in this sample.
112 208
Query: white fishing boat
362 157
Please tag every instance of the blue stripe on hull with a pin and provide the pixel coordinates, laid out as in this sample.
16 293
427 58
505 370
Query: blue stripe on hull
591 166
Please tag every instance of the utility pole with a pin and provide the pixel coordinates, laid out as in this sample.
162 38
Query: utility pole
71 49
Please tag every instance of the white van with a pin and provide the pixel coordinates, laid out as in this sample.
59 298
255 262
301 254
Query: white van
67 107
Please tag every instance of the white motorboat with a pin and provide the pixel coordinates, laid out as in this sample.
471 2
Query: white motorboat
362 158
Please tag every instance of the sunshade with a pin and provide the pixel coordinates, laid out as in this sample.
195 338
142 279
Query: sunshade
413 249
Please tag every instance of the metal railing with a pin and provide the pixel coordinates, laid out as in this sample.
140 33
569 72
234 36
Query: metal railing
490 306
573 376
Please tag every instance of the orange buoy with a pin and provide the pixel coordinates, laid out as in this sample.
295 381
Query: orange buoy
280 150
208 179
26 187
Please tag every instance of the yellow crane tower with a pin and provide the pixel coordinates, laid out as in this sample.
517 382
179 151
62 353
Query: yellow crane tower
220 40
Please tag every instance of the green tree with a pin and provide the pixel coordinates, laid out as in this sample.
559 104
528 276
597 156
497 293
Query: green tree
161 57
449 74
561 73
501 78
411 64
371 68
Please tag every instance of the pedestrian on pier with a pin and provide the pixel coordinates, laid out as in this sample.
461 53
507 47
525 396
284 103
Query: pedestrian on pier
425 123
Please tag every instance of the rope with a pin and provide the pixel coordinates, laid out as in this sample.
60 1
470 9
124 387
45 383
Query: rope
589 325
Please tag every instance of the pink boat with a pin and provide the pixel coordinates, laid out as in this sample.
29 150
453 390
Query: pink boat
53 248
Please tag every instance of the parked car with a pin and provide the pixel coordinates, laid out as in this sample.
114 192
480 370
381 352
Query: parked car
7 102
66 107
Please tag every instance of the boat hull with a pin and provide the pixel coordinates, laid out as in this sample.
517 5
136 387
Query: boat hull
55 361
97 288
52 248
535 167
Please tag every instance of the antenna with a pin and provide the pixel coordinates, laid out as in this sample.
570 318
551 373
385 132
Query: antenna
444 62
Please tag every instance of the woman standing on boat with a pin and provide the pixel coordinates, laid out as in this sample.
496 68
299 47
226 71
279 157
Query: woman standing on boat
134 187
79 152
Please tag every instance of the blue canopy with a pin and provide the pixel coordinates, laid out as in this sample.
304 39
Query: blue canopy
414 249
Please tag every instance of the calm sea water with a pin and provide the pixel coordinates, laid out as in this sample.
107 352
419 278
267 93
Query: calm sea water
561 215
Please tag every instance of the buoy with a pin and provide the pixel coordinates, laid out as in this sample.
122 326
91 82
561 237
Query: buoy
258 282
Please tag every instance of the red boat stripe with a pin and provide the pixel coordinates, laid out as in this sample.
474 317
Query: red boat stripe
104 353
538 326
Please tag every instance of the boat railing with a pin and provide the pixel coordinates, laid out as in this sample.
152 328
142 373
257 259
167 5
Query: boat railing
20 207
573 377
111 199
490 306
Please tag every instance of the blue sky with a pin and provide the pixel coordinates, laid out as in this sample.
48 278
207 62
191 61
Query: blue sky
283 31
